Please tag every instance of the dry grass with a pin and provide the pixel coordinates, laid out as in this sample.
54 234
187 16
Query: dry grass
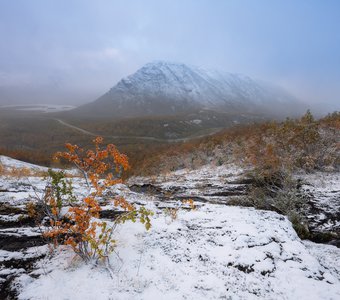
22 172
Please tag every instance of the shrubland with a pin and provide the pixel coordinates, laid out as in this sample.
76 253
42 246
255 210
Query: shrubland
294 144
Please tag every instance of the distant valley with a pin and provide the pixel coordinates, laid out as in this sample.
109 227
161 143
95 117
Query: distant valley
160 103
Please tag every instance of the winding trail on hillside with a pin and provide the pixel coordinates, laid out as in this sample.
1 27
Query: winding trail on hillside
148 138
75 127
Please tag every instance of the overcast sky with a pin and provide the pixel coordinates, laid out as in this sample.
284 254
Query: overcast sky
66 51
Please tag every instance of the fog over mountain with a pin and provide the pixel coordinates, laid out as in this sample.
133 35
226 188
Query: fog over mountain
69 52
168 88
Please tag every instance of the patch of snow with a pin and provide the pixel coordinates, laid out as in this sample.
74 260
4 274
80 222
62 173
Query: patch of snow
327 255
21 231
196 121
26 254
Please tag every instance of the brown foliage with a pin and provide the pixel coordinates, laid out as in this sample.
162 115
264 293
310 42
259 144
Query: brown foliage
35 157
293 144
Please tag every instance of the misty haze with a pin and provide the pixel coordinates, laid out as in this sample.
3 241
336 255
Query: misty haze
169 149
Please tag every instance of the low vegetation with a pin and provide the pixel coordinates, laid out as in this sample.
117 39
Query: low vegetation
294 144
271 152
73 220
21 172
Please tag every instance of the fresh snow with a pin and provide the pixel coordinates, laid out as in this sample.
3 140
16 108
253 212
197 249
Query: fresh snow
213 252
216 252
205 86
324 191
11 163
163 88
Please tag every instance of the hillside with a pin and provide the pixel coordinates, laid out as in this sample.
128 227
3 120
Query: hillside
164 88
302 143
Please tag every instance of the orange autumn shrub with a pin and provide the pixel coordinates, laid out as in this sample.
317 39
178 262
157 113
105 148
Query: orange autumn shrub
75 222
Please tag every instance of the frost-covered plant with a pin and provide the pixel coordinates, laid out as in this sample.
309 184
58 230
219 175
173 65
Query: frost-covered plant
280 192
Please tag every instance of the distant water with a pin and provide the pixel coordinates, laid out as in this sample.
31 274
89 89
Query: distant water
47 108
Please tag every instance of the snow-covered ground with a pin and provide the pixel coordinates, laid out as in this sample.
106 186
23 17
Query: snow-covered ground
213 252
216 252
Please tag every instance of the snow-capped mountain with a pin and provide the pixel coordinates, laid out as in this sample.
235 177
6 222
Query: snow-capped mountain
164 88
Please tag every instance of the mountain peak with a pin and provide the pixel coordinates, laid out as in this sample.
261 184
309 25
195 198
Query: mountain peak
159 63
166 88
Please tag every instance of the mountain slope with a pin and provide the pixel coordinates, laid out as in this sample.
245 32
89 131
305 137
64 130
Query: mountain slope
163 88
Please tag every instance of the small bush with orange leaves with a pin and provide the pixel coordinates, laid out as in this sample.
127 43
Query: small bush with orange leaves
75 222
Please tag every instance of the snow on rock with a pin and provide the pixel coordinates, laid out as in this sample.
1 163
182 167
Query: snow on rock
13 164
324 193
186 178
223 183
18 191
208 183
216 252
327 255
26 254
8 162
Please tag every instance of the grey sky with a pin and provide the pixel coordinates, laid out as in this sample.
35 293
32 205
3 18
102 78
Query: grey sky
73 51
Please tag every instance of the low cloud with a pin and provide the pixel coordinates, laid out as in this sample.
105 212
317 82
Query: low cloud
106 54
13 79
